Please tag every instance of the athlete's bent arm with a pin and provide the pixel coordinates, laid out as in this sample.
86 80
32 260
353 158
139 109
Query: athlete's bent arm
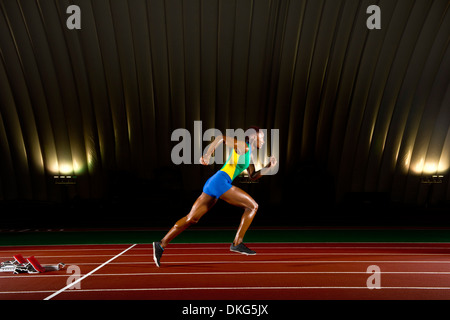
255 175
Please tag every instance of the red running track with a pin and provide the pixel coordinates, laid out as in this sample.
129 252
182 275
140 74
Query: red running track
283 271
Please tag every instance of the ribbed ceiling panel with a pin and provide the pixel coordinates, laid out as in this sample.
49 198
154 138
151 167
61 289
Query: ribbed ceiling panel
369 107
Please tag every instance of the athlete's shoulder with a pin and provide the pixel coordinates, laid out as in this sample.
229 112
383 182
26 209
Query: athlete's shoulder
241 147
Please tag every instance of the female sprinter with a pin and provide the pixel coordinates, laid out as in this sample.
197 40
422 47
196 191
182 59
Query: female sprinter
219 186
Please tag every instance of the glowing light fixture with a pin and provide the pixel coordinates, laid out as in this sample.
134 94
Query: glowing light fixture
429 167
66 168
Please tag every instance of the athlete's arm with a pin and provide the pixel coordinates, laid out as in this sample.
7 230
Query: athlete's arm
239 146
255 175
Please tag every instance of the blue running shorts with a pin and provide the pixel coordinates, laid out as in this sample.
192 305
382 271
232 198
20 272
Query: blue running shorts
218 184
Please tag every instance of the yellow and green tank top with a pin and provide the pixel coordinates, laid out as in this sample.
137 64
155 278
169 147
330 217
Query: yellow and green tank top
236 163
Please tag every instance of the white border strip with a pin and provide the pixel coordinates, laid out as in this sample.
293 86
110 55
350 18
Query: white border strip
230 288
256 288
88 274
144 274
259 254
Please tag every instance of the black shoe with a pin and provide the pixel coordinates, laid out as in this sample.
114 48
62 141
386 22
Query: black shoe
242 248
157 252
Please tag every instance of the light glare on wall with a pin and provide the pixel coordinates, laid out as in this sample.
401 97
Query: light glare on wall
66 168
429 167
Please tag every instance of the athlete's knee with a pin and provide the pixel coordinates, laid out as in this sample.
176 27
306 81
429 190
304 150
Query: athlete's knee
186 222
191 220
253 206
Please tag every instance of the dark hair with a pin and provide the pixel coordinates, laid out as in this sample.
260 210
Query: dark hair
256 128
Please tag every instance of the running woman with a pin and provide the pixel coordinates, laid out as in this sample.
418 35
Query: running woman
219 187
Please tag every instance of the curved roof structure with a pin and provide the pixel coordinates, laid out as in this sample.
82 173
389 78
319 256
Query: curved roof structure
369 107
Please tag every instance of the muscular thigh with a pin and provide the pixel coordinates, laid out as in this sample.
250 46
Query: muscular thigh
203 203
238 197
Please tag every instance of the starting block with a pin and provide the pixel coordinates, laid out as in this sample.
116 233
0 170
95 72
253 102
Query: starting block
29 265
19 258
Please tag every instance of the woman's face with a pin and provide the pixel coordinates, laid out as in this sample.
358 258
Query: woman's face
259 139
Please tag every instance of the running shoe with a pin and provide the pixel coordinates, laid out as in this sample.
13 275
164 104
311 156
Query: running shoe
242 248
157 252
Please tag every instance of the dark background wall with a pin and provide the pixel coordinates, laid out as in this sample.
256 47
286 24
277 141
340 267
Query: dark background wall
363 115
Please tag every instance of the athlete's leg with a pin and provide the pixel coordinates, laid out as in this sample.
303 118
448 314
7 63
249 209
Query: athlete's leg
200 207
240 198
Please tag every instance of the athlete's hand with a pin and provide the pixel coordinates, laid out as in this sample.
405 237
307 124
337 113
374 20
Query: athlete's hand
204 160
273 162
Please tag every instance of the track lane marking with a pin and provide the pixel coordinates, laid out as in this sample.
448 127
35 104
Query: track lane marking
88 274
223 288
259 254
232 273
271 261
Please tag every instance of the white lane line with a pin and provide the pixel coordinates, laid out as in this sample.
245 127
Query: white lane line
232 254
262 262
13 250
88 274
258 288
275 261
141 274
325 254
225 288
256 246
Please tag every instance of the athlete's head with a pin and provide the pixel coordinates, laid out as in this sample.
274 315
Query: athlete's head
255 136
